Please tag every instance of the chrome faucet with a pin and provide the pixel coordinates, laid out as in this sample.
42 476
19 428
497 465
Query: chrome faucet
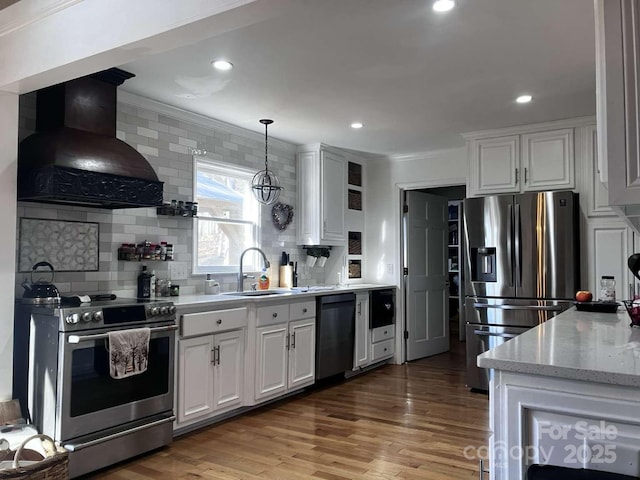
241 275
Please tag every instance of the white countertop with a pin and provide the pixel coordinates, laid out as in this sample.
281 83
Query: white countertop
222 299
594 347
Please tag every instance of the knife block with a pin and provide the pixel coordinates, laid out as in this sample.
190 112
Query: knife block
286 276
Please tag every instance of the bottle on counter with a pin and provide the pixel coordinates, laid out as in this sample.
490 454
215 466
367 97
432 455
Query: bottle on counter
144 283
607 289
211 287
263 281
153 284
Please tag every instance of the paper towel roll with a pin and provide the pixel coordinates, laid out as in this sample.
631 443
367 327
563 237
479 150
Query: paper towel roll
286 276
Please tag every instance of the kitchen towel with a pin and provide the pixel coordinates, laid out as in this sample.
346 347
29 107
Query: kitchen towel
128 352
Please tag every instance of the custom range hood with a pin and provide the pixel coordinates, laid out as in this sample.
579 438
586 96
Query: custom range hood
74 158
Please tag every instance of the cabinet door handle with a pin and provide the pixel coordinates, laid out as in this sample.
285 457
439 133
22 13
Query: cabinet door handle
525 175
293 340
219 321
217 355
213 356
359 308
516 176
287 345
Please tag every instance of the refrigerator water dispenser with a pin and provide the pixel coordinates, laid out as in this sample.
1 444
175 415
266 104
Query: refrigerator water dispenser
483 264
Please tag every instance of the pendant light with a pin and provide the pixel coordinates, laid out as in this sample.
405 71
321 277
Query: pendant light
265 184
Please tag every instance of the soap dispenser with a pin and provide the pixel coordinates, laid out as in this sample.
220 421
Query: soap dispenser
211 287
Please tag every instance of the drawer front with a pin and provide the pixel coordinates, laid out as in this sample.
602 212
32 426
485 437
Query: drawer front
382 333
194 324
302 310
382 350
273 314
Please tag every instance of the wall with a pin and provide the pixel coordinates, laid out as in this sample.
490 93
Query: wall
8 168
166 137
385 178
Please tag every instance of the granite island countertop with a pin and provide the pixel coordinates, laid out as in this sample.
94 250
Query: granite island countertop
593 347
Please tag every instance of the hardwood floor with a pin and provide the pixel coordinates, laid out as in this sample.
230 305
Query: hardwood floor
397 422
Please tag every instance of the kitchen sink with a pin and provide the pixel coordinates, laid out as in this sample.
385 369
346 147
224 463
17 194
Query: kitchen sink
256 293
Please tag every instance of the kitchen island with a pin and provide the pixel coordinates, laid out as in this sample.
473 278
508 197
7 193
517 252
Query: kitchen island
566 393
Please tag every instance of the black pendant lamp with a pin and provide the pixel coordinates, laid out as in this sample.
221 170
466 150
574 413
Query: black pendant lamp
265 184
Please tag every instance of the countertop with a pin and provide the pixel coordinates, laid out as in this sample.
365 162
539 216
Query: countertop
299 292
593 347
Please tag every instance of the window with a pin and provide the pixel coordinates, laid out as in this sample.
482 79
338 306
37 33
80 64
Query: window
228 218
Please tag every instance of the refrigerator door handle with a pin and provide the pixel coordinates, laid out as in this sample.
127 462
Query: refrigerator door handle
548 308
509 243
518 246
483 333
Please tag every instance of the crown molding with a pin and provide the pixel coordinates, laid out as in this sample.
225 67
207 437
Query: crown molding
429 155
201 120
438 182
26 12
531 128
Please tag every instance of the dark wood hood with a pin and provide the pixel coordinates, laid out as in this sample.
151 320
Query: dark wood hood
75 158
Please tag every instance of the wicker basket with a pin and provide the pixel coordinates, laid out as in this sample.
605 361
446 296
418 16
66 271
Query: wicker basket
55 465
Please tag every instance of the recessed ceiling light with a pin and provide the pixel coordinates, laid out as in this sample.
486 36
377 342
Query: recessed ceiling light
524 99
357 125
441 6
222 65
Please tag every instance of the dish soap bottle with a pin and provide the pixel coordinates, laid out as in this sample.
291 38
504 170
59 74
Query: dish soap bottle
263 281
144 283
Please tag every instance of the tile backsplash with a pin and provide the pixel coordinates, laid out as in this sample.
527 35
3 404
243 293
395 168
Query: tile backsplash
168 142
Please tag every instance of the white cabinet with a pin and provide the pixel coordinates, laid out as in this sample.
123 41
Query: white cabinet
210 375
285 348
531 161
609 243
362 332
211 353
322 196
543 420
382 343
617 102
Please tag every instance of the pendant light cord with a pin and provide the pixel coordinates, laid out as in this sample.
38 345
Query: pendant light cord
266 168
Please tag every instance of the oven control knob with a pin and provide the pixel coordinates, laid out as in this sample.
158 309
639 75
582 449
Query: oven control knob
73 318
172 309
164 310
97 316
86 317
153 311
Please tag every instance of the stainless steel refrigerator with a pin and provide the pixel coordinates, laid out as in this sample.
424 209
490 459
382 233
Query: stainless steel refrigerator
521 267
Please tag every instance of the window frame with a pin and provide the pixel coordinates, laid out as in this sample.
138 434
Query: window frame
230 169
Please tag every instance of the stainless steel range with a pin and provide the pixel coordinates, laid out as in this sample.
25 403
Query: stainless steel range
71 394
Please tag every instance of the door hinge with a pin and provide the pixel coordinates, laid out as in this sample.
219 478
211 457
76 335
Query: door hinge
405 208
405 271
406 334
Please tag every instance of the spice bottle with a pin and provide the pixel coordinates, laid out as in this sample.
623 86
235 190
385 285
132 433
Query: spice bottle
607 289
144 283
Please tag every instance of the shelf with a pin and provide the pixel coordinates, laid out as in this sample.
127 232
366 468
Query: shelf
454 297
454 271
454 246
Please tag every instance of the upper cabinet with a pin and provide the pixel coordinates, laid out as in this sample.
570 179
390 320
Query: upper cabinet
528 161
618 111
322 196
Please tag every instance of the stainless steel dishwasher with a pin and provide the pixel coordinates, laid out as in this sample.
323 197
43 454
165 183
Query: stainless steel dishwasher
335 330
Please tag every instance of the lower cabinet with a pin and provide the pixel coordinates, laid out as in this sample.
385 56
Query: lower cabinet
382 343
361 349
285 357
210 375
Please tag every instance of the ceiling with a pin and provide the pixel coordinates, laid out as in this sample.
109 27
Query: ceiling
416 79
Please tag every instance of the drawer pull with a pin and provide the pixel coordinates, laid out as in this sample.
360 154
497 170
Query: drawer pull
275 314
304 310
385 349
385 332
219 321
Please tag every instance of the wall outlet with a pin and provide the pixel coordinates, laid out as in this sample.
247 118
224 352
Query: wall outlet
389 268
178 271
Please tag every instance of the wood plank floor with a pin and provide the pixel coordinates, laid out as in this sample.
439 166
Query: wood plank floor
396 422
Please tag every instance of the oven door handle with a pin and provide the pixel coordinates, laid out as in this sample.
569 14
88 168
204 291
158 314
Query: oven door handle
550 308
484 333
102 336
79 446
